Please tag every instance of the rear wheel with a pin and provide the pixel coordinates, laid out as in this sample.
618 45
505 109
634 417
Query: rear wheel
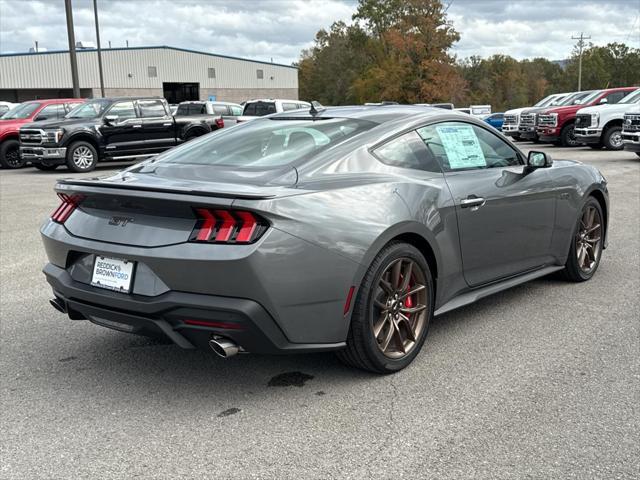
613 138
46 167
10 154
568 136
81 157
586 244
392 311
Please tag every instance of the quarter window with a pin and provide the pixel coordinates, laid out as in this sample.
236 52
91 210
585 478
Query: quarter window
123 110
151 108
236 111
289 106
407 151
463 146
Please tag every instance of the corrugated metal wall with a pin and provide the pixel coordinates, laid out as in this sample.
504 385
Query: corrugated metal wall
128 68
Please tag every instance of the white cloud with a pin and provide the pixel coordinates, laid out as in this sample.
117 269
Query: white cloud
280 29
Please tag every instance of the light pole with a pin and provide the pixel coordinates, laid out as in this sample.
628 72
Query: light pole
581 40
95 12
72 49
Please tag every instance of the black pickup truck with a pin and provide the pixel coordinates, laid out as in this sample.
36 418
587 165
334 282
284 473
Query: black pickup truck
109 129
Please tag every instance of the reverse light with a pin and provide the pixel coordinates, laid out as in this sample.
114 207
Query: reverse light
66 208
216 225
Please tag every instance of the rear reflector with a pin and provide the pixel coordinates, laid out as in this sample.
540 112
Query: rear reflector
212 324
220 122
347 303
227 226
66 208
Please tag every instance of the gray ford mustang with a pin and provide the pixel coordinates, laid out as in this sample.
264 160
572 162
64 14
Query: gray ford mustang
343 229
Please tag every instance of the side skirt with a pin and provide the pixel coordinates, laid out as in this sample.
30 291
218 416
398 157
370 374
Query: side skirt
474 295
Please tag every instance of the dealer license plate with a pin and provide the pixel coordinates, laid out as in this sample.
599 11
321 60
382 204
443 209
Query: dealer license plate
112 274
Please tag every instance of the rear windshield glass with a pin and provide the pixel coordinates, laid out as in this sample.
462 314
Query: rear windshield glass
21 111
259 109
91 109
266 143
191 109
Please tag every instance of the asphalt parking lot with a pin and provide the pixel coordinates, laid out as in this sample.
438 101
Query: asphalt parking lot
541 381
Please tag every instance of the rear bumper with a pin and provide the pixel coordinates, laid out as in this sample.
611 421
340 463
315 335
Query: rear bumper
49 154
244 321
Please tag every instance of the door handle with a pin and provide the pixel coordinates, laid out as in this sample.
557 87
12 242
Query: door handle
472 202
136 126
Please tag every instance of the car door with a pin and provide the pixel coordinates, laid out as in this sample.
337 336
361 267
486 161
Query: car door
505 213
158 128
123 135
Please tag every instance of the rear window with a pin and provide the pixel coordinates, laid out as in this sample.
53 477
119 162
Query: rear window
259 109
267 143
191 109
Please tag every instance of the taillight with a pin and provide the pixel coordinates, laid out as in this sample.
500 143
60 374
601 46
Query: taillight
220 122
66 208
227 226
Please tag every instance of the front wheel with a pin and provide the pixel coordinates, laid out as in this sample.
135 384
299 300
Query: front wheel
586 244
10 154
81 157
392 311
568 136
613 138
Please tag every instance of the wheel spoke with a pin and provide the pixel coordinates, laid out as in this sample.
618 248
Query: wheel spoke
416 309
395 274
387 339
409 326
592 240
416 288
386 286
592 214
406 276
581 255
593 229
397 336
377 328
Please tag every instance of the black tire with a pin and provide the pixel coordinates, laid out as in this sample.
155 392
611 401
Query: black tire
45 167
81 163
362 350
572 270
10 154
612 138
568 137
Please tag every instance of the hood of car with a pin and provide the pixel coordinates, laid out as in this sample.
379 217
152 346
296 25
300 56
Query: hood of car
12 124
515 111
61 123
613 108
568 109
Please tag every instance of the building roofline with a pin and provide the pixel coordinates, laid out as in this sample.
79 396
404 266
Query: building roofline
158 47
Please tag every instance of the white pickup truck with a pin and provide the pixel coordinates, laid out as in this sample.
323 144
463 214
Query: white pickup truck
601 125
511 125
631 130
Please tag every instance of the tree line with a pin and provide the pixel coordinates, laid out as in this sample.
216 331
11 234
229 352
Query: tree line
399 50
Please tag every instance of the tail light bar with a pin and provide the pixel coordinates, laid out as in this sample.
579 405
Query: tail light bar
227 226
66 208
220 122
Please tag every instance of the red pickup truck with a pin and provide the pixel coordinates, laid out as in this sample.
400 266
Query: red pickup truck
27 112
556 125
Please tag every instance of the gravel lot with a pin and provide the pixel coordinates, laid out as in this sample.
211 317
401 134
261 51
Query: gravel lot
541 381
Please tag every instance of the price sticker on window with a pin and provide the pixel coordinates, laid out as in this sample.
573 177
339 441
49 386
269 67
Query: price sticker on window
461 146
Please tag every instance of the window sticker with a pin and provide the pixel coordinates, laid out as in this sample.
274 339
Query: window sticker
461 146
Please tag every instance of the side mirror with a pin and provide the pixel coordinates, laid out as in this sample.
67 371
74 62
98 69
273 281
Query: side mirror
603 101
538 160
110 119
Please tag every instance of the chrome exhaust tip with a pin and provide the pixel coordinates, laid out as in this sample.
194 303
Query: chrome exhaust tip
223 347
58 305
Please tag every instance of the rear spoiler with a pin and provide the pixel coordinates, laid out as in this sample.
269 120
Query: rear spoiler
100 186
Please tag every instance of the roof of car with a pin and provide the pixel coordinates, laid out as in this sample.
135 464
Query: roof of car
374 113
276 100
213 102
119 99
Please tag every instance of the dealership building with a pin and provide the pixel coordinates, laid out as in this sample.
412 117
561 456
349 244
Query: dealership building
174 73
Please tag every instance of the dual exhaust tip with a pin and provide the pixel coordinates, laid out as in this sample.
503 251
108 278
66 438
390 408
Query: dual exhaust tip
223 347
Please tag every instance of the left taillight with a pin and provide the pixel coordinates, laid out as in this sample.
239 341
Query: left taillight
227 226
220 122
66 208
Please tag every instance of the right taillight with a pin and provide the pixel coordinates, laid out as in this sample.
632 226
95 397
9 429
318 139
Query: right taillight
66 208
216 225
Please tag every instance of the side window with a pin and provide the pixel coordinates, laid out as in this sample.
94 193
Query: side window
407 151
462 146
236 111
151 108
123 110
250 109
71 106
289 106
50 112
220 109
615 97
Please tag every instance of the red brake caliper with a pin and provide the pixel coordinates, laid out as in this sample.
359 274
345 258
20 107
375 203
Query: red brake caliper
409 301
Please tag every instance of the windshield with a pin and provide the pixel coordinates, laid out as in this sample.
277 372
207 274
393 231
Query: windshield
633 97
22 111
588 97
266 143
571 99
546 101
92 109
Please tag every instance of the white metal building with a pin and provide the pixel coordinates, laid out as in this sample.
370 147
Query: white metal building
175 73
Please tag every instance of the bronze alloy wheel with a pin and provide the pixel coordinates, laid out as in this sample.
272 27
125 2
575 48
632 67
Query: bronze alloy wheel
589 239
399 308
